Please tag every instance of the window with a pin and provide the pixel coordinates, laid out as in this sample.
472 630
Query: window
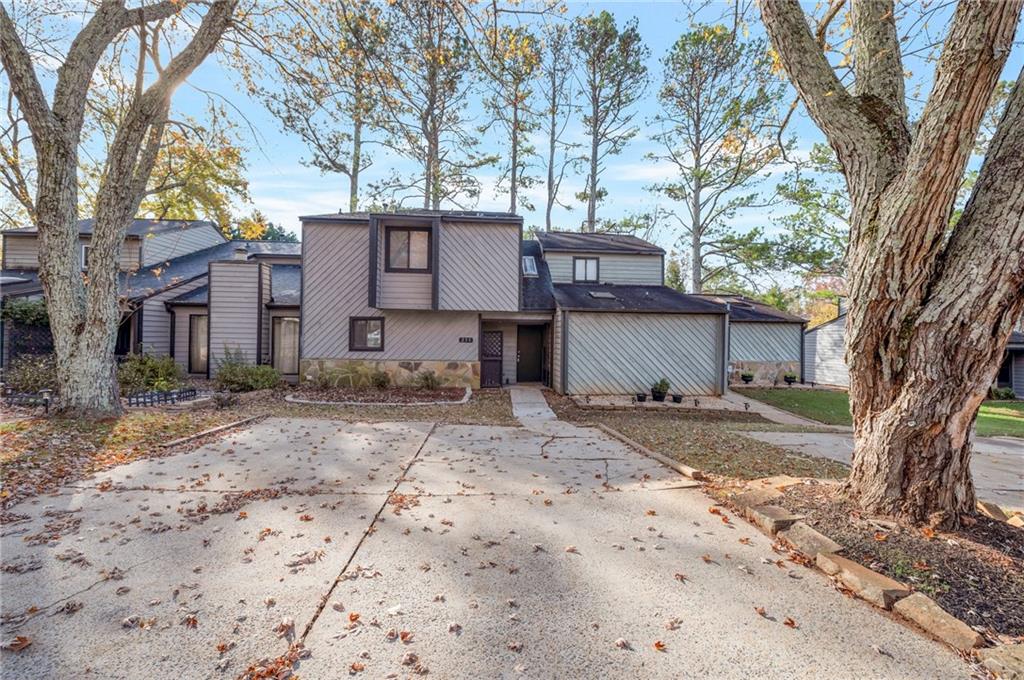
584 270
197 342
366 334
601 295
408 249
529 265
85 257
285 355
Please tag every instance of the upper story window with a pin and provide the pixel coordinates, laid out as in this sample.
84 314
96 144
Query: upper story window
529 265
585 269
85 257
407 249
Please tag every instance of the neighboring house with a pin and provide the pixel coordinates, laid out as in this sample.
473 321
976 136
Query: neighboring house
824 350
763 340
163 262
463 295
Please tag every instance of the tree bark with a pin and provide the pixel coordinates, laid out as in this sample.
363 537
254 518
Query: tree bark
930 311
84 310
592 179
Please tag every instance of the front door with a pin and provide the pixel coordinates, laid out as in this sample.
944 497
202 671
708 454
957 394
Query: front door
490 359
530 345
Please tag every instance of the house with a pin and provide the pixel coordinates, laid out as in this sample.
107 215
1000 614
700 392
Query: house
763 340
165 265
824 352
462 294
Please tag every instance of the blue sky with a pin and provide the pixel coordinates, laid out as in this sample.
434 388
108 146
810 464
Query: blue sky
283 188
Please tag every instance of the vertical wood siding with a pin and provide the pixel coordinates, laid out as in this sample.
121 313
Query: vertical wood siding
627 353
336 287
770 342
824 353
479 267
22 252
166 245
233 309
156 320
181 326
1017 374
265 292
401 290
640 270
556 352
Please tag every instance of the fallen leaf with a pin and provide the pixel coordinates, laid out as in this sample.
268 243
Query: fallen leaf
659 645
761 611
356 667
650 513
881 536
714 511
17 643
790 622
707 559
622 644
305 518
745 541
405 636
353 616
928 532
571 549
682 578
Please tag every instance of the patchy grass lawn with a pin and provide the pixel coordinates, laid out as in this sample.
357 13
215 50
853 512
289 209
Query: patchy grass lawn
832 407
706 440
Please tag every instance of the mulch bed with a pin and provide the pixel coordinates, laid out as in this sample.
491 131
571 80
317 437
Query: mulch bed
975 573
390 395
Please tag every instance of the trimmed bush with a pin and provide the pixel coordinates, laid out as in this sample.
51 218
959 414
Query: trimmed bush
380 380
146 373
235 374
31 373
426 380
1002 393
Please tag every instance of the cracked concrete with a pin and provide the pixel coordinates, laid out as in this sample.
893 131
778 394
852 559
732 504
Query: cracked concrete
499 551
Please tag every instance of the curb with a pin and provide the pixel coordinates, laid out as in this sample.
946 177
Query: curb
685 470
297 400
212 430
911 607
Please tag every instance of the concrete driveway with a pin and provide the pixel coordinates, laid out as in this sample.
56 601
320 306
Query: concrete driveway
404 548
997 463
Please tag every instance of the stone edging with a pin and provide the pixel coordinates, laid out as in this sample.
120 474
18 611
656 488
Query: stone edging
212 430
867 584
465 398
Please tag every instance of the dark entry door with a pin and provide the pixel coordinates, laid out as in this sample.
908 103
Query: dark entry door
490 359
530 345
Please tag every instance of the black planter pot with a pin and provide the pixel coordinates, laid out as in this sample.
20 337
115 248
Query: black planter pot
658 396
789 381
747 379
641 397
677 399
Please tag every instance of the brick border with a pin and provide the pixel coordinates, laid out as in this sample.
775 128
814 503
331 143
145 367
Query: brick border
913 608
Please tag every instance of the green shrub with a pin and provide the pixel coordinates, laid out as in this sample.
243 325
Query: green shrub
235 374
26 312
31 373
145 373
380 380
1002 393
426 380
661 386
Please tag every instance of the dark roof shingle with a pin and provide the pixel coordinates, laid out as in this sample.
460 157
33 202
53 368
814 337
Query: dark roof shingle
537 293
742 308
139 228
569 241
578 296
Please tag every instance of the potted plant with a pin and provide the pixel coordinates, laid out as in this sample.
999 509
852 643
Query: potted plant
641 397
747 377
659 390
677 399
790 378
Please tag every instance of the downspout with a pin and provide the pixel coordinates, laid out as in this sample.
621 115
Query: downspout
724 376
803 330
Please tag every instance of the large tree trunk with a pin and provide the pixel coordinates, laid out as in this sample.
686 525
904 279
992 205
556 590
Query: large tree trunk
930 308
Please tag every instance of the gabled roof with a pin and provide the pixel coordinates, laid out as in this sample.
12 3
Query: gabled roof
599 297
579 242
744 309
139 228
445 215
537 292
16 282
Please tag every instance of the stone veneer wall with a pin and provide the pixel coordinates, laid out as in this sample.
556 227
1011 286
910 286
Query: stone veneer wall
357 372
765 372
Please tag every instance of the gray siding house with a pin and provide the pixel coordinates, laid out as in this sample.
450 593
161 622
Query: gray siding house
462 294
165 281
824 351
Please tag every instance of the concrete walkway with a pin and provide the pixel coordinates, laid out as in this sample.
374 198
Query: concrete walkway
776 415
400 548
997 463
